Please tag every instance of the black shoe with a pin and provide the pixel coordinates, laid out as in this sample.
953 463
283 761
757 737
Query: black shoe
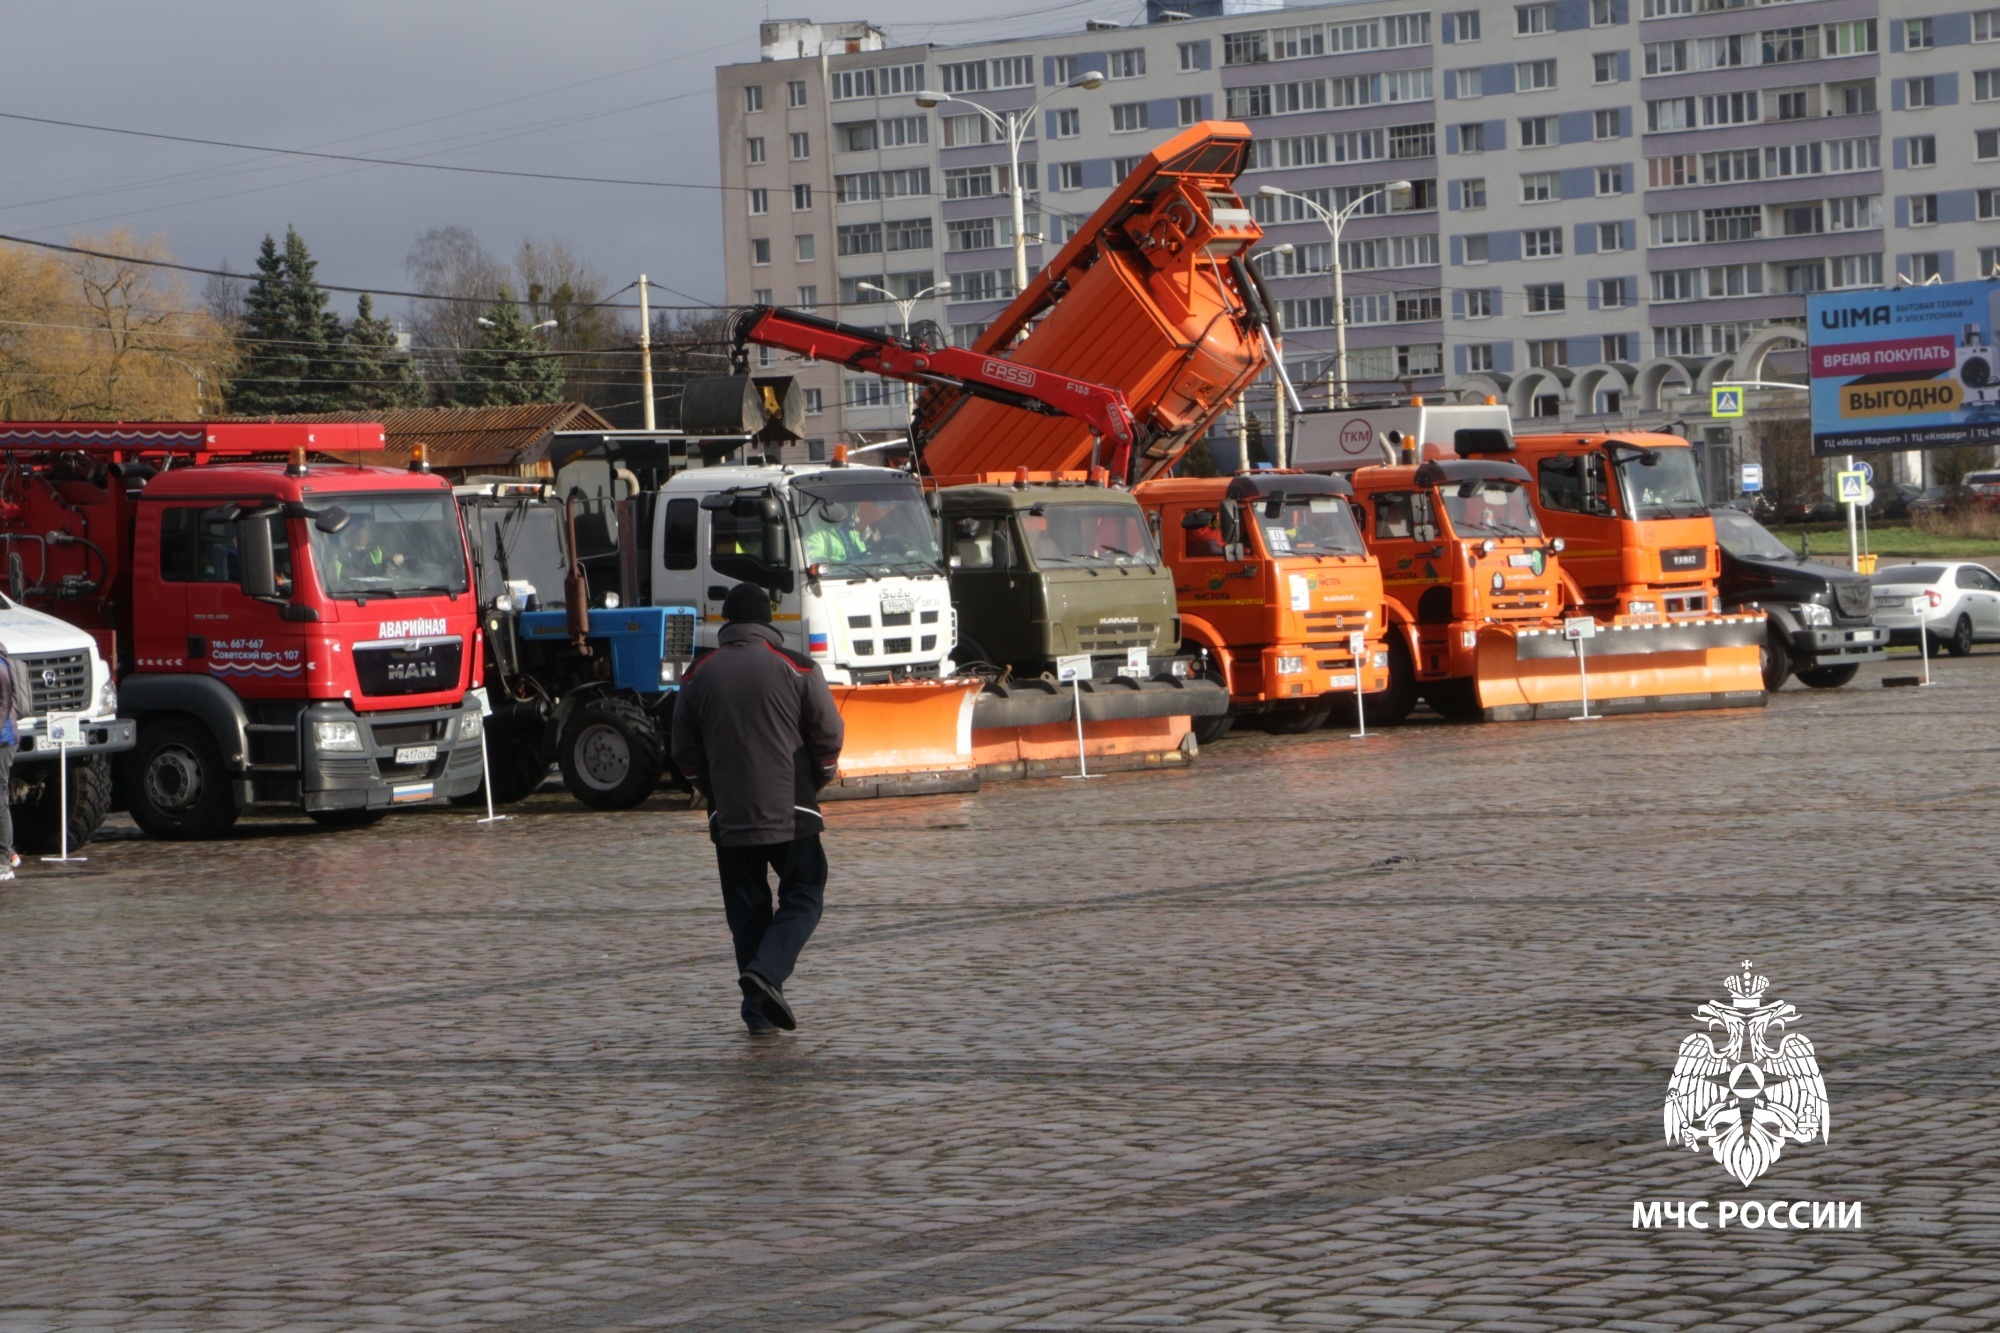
759 1025
768 998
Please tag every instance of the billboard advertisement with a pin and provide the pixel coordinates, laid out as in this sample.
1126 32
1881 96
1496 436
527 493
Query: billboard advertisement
1905 368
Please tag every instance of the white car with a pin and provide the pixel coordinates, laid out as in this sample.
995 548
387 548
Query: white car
1957 601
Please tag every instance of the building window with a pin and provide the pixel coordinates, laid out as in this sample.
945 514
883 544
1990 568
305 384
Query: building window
966 130
1465 25
753 150
1920 93
1606 124
1614 294
1986 145
760 202
815 401
1065 70
1479 302
1190 56
965 77
1128 64
801 146
1542 243
1532 20
1666 57
908 234
1069 176
1539 131
1855 99
1989 261
1545 298
1602 13
808 296
802 198
1467 84
1604 67
1478 357
860 238
1244 48
1614 347
1923 210
1128 117
796 92
1546 352
1476 251
753 97
1067 124
1925 267
760 296
802 248
760 252
1014 72
1795 105
1611 180
856 137
1923 150
1986 26
1986 85
1472 138
1917 35
1121 167
1850 39
1534 76
1472 193
1541 187
1189 109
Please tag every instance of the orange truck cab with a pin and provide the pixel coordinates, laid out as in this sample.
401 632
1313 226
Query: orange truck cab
1638 538
1460 551
1272 577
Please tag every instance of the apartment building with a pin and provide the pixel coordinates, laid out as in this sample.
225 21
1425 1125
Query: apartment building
1611 202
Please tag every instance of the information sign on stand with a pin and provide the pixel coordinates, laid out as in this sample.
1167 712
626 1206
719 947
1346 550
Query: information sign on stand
1576 629
485 766
1138 663
63 731
1357 648
1073 671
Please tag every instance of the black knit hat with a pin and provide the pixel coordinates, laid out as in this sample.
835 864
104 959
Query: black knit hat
747 603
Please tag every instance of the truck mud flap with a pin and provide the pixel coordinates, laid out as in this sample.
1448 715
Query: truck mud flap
907 739
1530 674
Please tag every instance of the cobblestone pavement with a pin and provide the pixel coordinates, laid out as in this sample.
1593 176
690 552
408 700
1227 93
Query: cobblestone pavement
1321 1034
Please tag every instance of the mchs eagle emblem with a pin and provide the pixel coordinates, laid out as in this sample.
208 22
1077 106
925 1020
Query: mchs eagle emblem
1748 1085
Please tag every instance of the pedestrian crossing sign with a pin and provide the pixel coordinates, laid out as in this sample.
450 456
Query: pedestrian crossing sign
1725 402
1853 488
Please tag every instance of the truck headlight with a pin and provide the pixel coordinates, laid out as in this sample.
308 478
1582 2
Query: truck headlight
1182 668
1291 666
1812 613
337 735
1380 661
1642 608
471 725
107 698
669 671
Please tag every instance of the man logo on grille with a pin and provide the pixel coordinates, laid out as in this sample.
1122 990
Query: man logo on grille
1742 1096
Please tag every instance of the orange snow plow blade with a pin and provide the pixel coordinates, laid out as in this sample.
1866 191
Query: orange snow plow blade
1049 749
1525 673
905 739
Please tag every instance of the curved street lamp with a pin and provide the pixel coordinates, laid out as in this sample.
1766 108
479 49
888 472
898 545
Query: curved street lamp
1333 220
907 304
1014 129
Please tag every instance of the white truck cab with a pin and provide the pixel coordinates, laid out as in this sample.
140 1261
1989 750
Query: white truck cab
849 553
67 678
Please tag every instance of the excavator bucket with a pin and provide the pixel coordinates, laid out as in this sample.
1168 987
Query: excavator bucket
905 739
1633 668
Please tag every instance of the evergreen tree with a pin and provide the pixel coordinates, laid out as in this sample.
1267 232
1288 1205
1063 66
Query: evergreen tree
1197 462
293 359
379 375
507 365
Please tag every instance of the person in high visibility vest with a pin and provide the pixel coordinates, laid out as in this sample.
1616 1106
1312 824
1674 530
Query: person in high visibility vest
360 556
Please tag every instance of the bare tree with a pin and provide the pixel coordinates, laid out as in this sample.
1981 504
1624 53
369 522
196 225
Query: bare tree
450 262
561 286
1792 476
223 297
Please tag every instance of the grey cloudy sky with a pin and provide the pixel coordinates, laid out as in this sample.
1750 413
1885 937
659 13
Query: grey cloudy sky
592 87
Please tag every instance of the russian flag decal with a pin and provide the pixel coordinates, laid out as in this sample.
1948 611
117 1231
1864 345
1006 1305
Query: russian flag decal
816 642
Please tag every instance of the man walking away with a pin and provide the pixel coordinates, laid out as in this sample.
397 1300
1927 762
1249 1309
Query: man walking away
16 702
756 731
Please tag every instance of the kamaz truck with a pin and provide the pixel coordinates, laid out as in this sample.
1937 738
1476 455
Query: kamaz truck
286 635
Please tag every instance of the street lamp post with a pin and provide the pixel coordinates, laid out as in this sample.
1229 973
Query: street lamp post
905 304
1333 220
1014 129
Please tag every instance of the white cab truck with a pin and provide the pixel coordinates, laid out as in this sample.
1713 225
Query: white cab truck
1343 439
68 679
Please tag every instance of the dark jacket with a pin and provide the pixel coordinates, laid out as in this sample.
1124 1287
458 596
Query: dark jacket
17 692
756 730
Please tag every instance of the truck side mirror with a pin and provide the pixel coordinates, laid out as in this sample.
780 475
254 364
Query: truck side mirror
331 520
259 561
1275 505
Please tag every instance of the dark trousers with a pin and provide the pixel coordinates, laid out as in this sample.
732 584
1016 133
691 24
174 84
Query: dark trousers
6 810
767 942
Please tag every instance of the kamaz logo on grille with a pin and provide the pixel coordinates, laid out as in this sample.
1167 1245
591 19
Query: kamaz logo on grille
1008 371
410 629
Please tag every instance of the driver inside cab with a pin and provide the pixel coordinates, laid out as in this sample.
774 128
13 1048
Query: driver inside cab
360 555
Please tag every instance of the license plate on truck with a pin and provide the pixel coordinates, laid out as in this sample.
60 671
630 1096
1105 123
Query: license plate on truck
416 754
1345 682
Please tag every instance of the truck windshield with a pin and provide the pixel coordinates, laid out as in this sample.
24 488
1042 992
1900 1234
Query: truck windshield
1309 525
863 529
1488 507
393 546
1088 534
1742 535
1665 487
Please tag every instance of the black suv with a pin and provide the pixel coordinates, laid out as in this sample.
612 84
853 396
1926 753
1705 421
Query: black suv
1821 617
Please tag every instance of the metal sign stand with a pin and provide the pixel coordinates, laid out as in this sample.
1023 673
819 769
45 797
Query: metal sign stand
485 763
62 730
1357 647
1073 669
1924 648
1576 629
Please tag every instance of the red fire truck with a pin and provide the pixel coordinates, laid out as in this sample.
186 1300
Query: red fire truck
287 635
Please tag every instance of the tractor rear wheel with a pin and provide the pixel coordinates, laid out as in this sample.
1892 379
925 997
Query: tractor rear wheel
610 754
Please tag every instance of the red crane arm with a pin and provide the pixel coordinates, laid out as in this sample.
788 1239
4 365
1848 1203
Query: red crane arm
981 374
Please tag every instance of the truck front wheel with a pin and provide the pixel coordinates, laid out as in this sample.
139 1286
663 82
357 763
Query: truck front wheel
1777 659
180 789
37 822
610 754
1208 730
1828 678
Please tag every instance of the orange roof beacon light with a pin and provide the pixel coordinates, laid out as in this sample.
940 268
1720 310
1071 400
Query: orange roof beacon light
1020 478
295 466
420 457
840 455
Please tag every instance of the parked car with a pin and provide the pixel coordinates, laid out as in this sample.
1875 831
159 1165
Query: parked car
1934 500
1957 602
1821 618
1893 502
1984 488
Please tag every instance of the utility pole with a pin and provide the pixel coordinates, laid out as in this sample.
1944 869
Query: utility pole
646 352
